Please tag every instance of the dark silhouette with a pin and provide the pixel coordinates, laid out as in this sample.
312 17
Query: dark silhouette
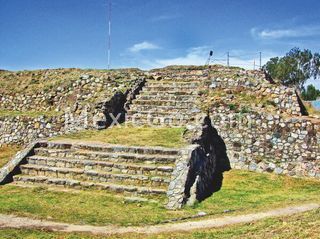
303 109
208 163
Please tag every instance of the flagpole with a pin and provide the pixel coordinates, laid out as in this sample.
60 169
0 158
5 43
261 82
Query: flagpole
109 34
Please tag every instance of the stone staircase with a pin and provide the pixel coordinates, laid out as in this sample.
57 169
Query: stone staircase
122 169
168 100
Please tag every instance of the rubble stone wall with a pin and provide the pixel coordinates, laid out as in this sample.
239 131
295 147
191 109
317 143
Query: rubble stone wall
270 143
283 98
85 103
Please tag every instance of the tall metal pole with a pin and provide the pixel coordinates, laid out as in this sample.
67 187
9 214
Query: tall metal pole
109 34
228 59
260 55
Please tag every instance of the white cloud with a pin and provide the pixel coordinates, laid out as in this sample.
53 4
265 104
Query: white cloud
143 46
278 33
195 56
164 18
304 31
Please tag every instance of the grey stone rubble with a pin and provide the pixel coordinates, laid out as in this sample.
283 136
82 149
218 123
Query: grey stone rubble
266 143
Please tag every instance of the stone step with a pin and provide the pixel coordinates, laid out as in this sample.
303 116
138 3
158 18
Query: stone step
169 93
164 91
157 102
169 89
181 114
156 170
121 157
158 121
174 76
167 97
186 74
184 78
95 176
178 80
172 84
69 183
159 108
111 148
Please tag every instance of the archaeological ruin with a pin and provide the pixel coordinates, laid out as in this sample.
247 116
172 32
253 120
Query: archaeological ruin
233 118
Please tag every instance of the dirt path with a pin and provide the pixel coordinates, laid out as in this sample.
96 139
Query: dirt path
8 221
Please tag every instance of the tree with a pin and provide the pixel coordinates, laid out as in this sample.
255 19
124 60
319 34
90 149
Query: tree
295 68
311 93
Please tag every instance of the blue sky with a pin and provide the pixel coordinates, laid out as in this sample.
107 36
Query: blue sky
152 33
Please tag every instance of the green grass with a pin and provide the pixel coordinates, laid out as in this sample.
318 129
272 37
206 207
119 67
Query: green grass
6 153
303 225
242 192
32 114
89 207
136 136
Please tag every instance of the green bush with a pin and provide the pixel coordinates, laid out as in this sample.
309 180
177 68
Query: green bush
311 93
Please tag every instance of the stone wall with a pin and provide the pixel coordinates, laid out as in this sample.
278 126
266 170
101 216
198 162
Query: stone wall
23 129
270 143
284 99
262 124
84 102
176 190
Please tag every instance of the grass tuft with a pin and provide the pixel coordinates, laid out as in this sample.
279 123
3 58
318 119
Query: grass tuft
7 152
32 114
134 136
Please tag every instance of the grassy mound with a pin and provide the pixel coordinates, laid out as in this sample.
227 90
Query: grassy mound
134 136
46 80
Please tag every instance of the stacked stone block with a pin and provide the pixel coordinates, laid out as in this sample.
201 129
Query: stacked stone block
125 169
168 99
